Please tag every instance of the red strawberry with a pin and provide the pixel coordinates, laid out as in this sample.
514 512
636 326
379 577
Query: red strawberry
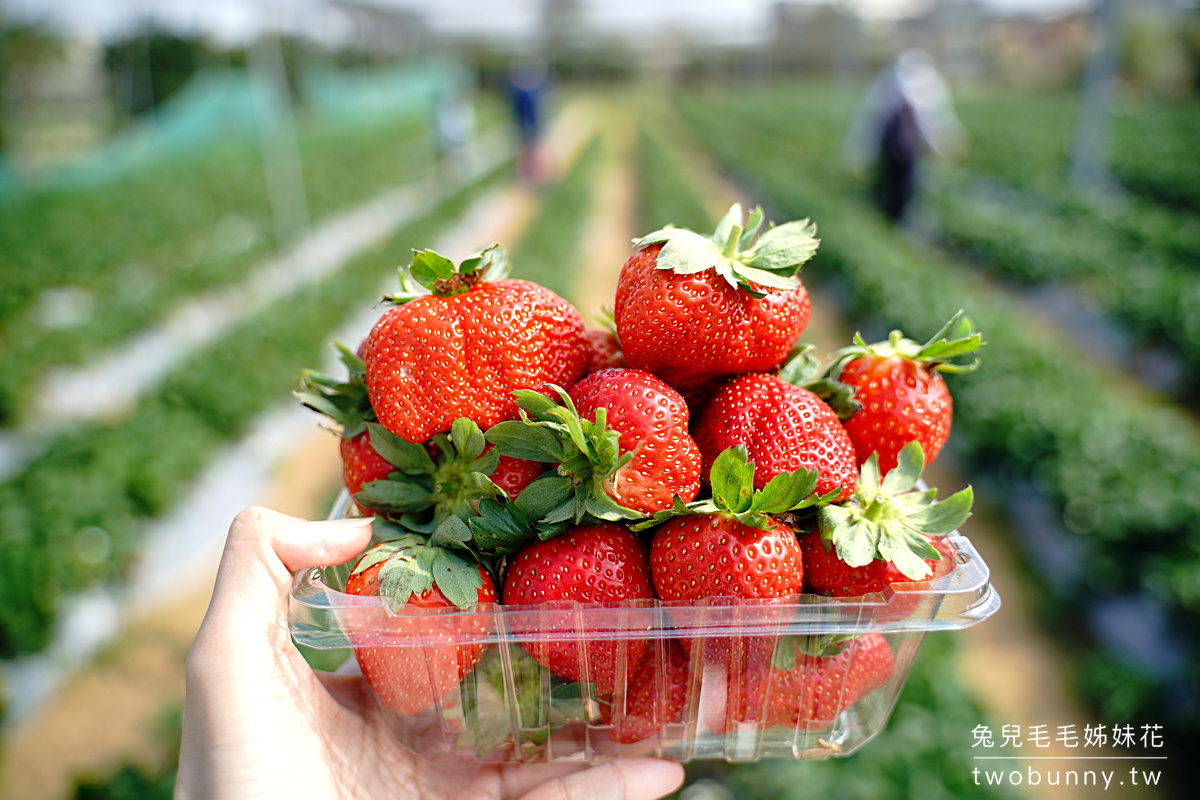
652 422
623 452
817 689
884 533
514 474
826 573
691 308
730 547
601 563
605 351
783 428
657 693
403 654
901 391
714 555
461 351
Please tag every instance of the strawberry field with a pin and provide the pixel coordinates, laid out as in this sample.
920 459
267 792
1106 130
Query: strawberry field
1098 473
1093 458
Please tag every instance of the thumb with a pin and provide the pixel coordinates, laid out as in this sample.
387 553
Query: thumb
265 547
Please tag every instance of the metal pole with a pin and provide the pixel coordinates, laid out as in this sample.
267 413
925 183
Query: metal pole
277 138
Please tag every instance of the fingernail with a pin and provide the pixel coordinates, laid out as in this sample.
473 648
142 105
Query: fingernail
351 522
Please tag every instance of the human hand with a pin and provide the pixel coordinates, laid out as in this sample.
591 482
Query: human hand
259 722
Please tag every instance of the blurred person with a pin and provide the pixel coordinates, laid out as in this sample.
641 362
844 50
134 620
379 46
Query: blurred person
527 84
259 722
905 114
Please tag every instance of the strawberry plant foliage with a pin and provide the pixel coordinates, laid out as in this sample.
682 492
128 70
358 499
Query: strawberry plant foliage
588 455
411 565
734 495
343 401
889 520
739 254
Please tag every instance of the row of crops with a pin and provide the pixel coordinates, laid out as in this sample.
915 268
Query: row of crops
169 224
121 255
1116 558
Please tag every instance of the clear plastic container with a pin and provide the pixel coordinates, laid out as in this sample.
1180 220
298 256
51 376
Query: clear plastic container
743 699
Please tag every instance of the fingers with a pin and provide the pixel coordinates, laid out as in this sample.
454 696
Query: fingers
264 547
621 779
318 544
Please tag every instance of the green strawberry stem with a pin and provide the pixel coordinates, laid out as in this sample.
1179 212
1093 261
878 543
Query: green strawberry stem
432 273
955 339
412 565
434 495
344 402
745 259
587 453
734 495
889 520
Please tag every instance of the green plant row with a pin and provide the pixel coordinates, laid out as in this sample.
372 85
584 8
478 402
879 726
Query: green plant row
1153 298
139 245
549 249
664 197
1027 139
1123 469
925 750
115 477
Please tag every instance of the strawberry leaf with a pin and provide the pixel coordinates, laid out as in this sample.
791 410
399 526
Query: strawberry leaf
467 438
732 480
787 491
500 529
451 531
785 247
530 441
910 463
403 455
429 267
456 577
405 574
946 516
394 496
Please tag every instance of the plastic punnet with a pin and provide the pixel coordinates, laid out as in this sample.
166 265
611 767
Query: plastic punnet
762 679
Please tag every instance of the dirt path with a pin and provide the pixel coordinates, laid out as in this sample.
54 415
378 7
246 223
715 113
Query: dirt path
110 712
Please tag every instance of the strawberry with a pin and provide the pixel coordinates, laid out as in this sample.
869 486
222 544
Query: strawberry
883 533
361 464
652 422
409 658
818 688
462 350
783 428
899 386
691 308
657 693
601 563
826 573
604 350
620 440
731 547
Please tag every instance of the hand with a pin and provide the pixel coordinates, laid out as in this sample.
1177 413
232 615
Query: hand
259 722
